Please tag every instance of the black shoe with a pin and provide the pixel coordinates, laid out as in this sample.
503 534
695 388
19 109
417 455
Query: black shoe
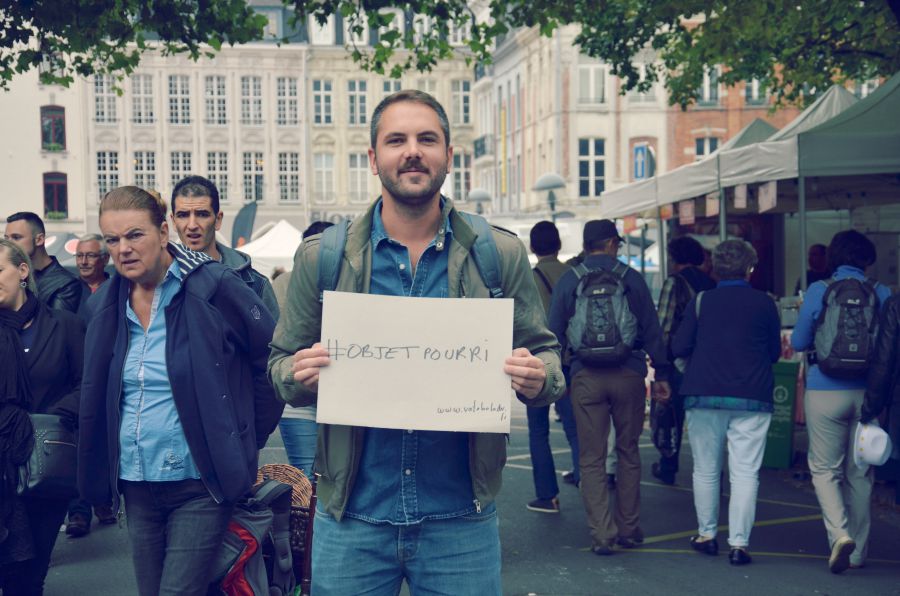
544 505
707 547
664 477
739 556
79 525
636 539
569 477
611 480
105 514
604 549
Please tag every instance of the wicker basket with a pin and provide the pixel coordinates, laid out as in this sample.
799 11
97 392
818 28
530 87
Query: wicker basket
300 495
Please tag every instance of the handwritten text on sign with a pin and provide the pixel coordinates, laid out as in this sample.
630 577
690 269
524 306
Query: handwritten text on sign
416 363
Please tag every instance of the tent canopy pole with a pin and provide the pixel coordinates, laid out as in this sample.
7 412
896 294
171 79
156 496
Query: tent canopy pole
801 208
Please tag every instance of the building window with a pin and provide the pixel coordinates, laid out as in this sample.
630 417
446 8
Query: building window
356 39
421 28
427 85
323 177
322 35
289 177
181 166
251 101
359 178
389 86
321 101
356 95
145 169
53 128
459 34
397 22
107 172
142 99
461 101
217 172
591 81
215 100
754 93
709 90
591 170
649 96
56 196
288 114
253 176
462 175
104 100
704 146
179 99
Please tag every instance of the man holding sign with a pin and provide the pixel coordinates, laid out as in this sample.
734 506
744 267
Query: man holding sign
410 504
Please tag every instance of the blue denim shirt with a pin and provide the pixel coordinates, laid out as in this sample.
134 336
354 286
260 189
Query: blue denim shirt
408 476
152 445
804 335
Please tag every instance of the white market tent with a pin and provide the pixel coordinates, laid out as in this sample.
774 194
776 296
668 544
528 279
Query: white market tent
275 248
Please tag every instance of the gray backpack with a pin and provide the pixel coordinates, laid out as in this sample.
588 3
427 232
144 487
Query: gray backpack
603 330
846 328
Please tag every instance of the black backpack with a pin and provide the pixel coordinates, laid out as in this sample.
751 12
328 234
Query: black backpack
846 328
602 331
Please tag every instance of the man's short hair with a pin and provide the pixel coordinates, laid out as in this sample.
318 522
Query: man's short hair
851 248
95 238
414 96
686 250
544 238
196 186
33 219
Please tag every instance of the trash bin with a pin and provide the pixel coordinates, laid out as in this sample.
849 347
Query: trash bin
779 452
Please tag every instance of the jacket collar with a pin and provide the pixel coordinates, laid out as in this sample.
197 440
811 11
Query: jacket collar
188 260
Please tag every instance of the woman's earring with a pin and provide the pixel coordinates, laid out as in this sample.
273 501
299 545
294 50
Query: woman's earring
23 284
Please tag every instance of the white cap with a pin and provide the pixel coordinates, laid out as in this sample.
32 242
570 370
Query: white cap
871 445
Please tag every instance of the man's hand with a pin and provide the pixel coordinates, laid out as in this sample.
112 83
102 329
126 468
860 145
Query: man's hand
307 364
526 371
660 391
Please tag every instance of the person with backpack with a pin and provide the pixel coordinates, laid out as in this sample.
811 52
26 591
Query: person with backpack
603 314
410 504
545 244
836 326
667 418
731 336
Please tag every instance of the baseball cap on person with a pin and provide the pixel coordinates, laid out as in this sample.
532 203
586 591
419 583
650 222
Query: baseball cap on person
598 230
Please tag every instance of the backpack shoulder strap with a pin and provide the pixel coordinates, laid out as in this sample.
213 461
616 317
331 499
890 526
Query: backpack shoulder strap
331 253
697 304
485 253
277 497
543 278
620 269
580 270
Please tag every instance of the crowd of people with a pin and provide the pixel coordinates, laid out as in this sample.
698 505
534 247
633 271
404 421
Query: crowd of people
176 369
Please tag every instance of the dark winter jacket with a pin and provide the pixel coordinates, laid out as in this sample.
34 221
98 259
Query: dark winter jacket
217 336
882 387
258 282
58 288
55 362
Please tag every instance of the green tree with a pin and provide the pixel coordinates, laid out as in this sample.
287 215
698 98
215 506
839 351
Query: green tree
786 45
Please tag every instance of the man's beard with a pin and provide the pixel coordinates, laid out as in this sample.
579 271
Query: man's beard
413 197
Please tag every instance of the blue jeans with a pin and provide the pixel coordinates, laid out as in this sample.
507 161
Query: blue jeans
175 529
542 467
459 556
299 436
744 434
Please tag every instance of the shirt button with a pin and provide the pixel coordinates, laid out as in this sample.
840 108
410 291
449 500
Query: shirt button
224 396
410 431
408 472
402 266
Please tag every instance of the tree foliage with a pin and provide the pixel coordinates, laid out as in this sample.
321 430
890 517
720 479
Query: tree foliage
785 44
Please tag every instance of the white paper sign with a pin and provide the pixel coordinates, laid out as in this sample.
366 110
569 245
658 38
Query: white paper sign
712 204
768 196
740 196
416 363
686 212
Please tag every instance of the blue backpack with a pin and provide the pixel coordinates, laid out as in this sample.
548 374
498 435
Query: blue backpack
484 251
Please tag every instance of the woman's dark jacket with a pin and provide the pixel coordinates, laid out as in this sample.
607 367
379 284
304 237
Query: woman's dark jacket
882 386
55 362
217 344
733 345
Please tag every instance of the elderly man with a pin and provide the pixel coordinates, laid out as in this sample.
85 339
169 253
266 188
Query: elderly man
91 257
57 288
410 504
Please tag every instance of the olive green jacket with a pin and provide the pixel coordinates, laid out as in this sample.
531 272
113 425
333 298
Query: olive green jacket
340 447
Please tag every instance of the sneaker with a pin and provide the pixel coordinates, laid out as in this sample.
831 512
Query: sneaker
839 560
105 514
544 505
79 525
603 549
569 477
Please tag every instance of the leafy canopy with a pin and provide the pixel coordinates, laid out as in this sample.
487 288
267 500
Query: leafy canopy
784 44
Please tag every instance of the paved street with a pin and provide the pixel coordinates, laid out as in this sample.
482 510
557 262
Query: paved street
546 554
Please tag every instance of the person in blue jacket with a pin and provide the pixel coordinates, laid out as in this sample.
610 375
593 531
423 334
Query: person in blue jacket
732 336
177 403
832 409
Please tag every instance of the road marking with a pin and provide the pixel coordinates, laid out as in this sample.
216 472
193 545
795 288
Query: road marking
685 551
724 528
